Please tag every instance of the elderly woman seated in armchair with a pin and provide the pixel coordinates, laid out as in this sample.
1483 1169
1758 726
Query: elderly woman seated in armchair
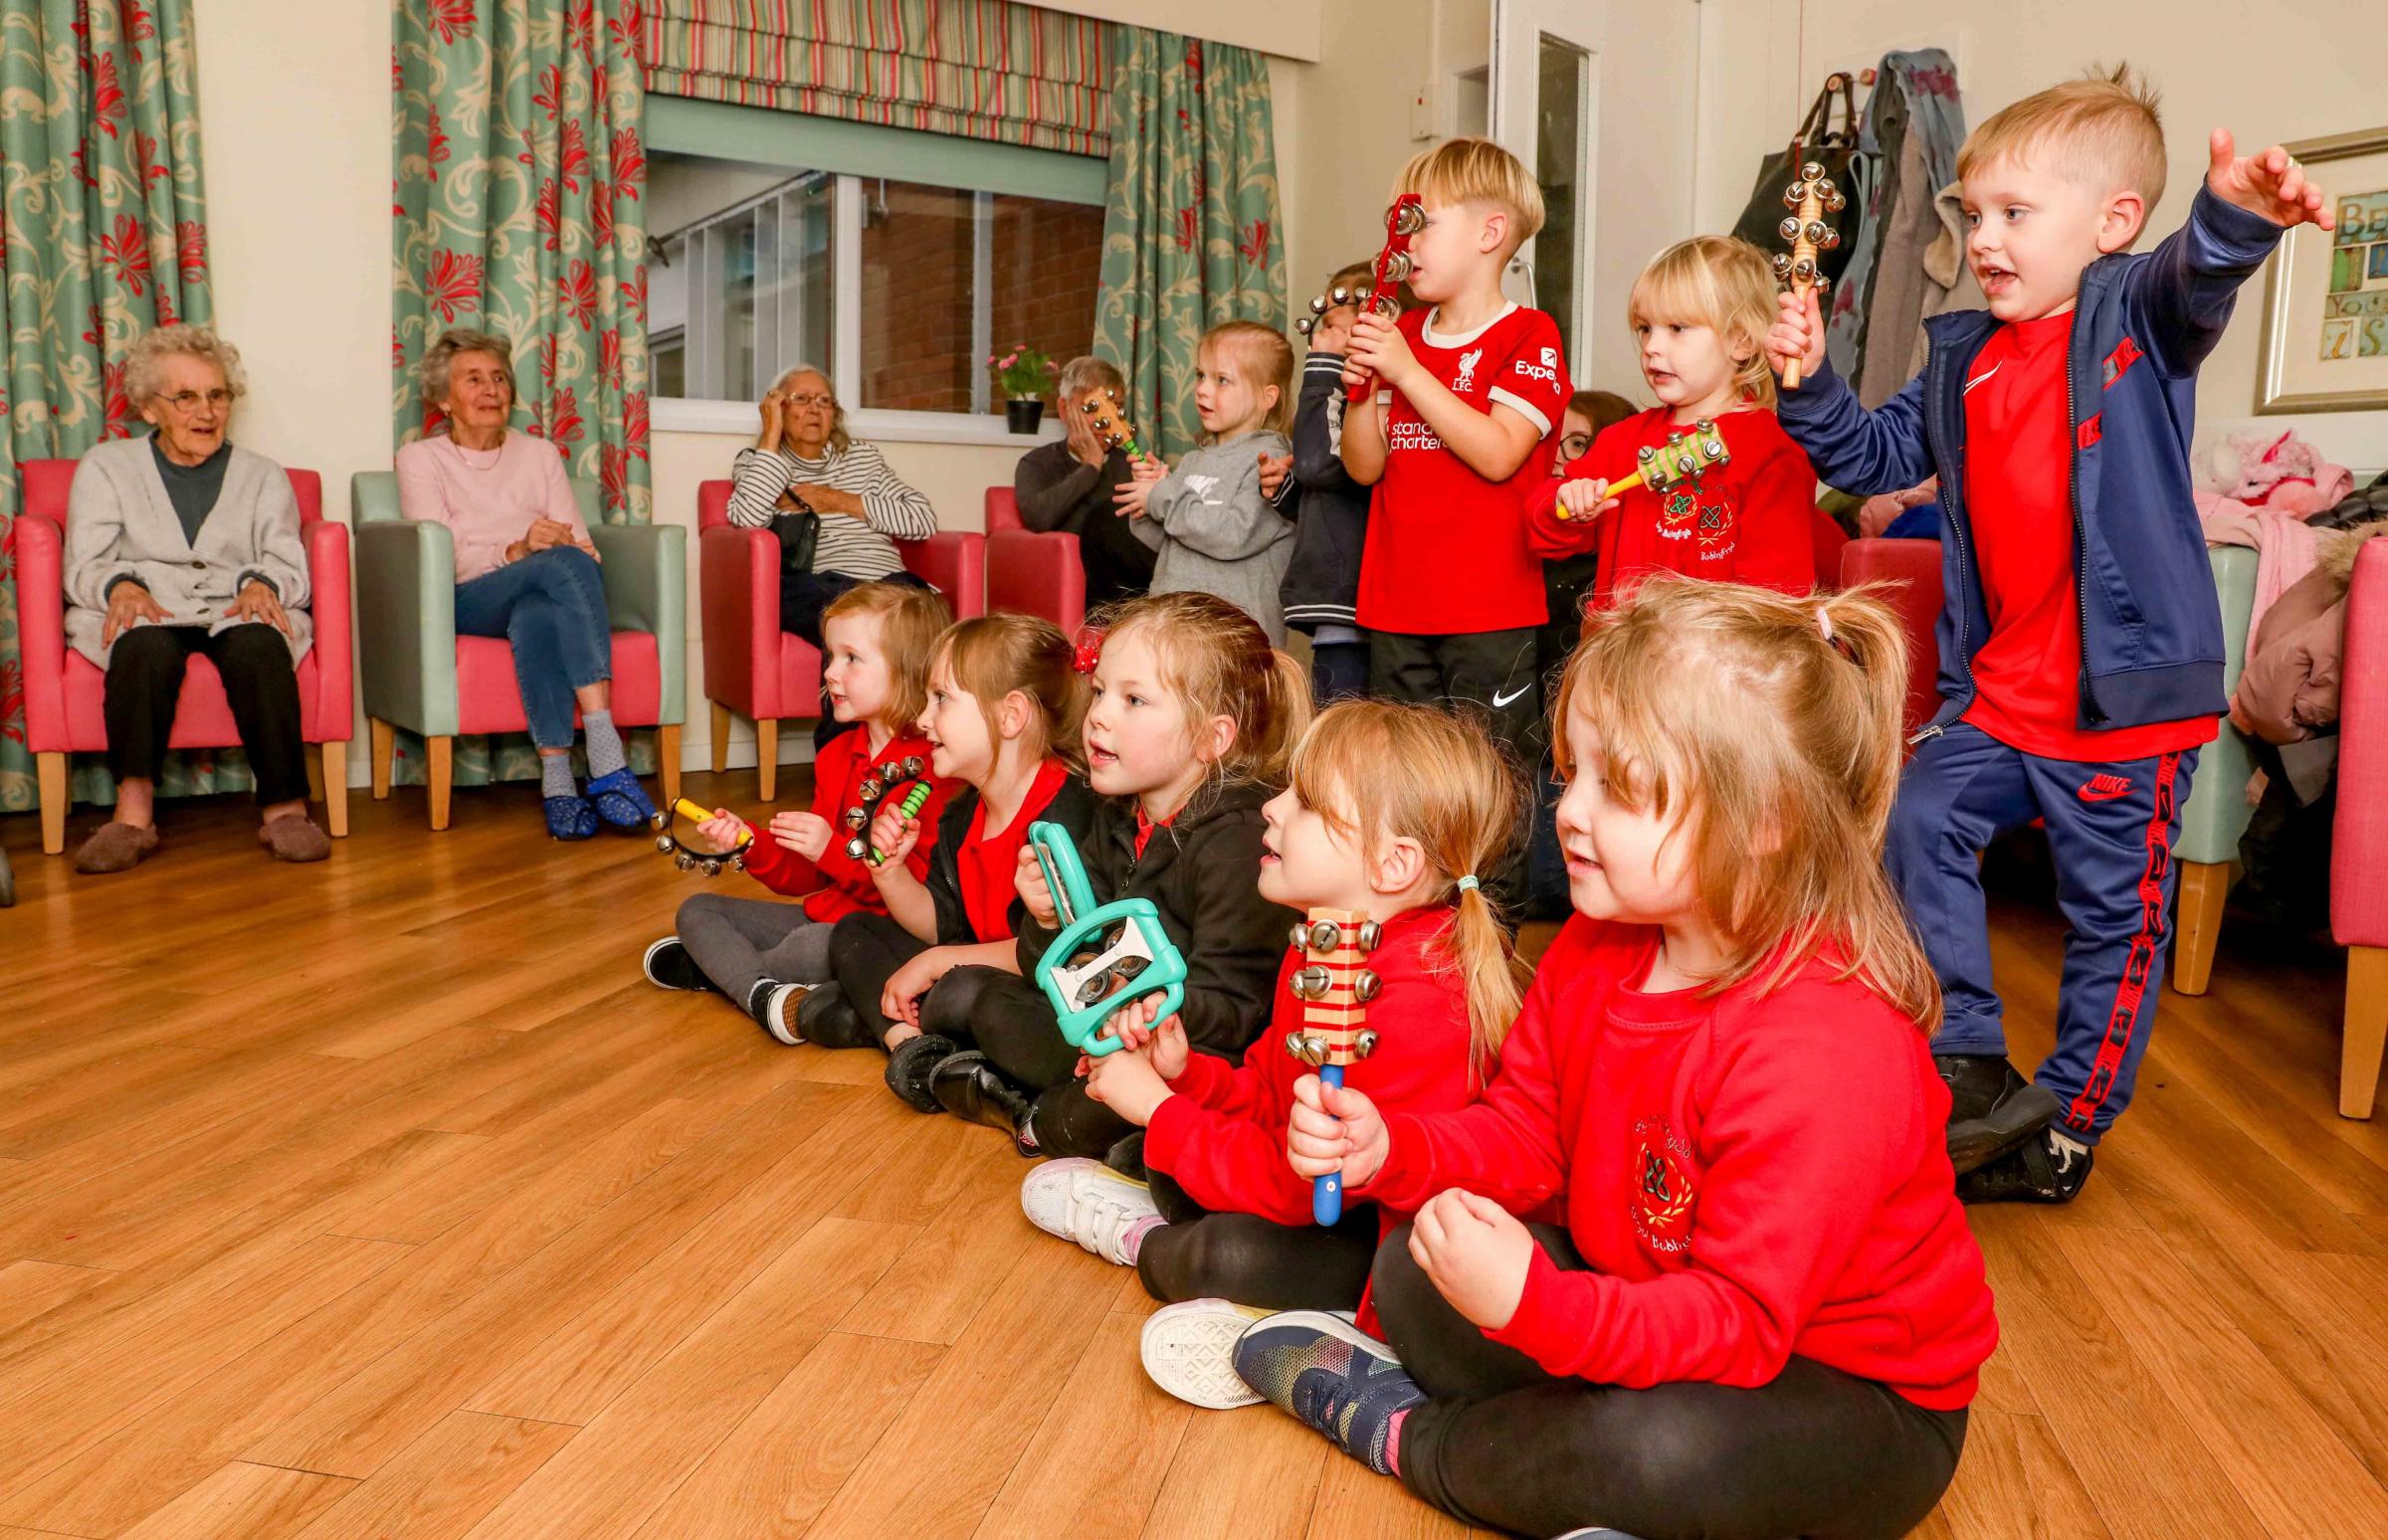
525 570
180 543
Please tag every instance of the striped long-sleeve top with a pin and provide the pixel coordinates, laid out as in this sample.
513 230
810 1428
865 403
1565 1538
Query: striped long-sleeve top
860 548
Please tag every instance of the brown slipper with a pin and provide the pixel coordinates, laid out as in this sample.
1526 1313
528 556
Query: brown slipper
292 837
116 847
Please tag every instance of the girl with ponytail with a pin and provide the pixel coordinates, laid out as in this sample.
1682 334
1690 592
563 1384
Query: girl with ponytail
1764 1313
1393 812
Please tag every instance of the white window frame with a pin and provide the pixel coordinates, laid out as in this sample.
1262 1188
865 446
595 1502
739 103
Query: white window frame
854 154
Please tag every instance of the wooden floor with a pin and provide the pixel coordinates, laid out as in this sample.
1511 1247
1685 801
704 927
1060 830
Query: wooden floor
384 1198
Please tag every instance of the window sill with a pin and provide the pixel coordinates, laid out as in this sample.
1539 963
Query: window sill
676 415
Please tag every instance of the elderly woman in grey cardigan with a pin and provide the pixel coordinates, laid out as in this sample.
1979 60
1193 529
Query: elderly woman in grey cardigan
180 543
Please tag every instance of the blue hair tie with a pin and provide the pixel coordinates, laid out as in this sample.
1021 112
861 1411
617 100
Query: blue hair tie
1468 883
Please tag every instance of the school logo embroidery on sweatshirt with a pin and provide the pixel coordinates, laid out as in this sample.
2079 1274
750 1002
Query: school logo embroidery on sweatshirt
1663 1190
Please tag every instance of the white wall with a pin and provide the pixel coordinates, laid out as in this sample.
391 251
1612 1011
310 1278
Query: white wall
2301 74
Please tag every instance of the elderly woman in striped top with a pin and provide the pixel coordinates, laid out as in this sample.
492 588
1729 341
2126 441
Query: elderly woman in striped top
803 459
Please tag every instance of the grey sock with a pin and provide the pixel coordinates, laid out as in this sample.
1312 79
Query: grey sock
556 776
605 745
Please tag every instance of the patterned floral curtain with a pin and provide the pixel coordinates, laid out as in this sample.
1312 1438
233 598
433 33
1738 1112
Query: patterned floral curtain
520 183
1192 237
982 69
106 226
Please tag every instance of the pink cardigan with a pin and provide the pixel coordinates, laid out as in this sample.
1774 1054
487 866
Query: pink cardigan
487 501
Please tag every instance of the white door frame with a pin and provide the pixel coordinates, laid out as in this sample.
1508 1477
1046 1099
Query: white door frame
1519 27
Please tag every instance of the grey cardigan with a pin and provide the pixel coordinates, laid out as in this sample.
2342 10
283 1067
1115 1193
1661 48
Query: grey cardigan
119 523
1216 533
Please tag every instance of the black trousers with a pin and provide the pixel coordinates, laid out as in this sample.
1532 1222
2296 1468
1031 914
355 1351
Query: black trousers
144 681
1202 1255
1503 1443
1009 1020
1495 673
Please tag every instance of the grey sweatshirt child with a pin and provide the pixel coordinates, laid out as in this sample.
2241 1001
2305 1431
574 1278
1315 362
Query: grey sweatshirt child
1217 535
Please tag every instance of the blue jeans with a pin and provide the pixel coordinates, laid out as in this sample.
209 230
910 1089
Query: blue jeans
552 606
2110 828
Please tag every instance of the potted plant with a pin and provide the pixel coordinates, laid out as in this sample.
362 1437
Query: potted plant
1024 374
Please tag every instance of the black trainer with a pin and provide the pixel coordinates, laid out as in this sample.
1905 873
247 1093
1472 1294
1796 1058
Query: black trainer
1992 1108
909 1066
827 1018
773 1005
2043 1169
668 965
968 1087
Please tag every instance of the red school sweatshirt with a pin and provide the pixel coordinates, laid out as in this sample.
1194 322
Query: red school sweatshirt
1749 1176
837 885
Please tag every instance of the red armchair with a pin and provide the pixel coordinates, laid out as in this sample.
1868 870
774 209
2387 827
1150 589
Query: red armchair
762 672
1032 573
64 689
2359 835
1913 569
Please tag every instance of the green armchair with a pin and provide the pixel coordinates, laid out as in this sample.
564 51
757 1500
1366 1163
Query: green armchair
421 675
2217 813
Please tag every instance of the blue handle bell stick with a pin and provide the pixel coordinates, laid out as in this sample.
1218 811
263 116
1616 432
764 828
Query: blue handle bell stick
1334 991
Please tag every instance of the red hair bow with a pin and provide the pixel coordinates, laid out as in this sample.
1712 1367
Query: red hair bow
1090 652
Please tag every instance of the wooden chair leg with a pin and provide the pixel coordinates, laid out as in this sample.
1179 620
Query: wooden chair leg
315 781
667 749
384 750
51 769
721 744
766 758
443 771
2366 1028
2197 923
334 772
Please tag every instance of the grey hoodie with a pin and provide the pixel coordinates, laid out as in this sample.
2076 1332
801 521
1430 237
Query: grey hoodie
1216 533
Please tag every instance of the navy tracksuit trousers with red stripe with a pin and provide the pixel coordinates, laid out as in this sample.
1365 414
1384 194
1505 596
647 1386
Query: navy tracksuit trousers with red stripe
2110 828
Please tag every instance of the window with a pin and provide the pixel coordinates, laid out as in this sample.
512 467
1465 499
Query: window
900 289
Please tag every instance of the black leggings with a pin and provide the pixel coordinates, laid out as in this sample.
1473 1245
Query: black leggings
1202 1255
143 686
1818 1453
1013 1024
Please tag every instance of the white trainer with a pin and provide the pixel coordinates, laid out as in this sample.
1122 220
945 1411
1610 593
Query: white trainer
1087 1202
1190 1351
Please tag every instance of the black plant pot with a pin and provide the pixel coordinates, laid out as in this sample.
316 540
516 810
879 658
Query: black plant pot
1023 416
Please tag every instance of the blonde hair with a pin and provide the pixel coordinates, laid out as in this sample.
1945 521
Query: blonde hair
1717 282
1768 728
1086 373
1218 661
1473 171
1379 770
1263 352
910 620
992 656
2101 132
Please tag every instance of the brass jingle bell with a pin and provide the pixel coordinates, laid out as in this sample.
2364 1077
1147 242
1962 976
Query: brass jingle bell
1803 271
1370 934
1674 438
1816 232
1812 171
870 788
1363 1042
1789 228
1795 195
1823 285
1342 295
1830 240
1835 201
1305 323
1712 445
1305 1046
1782 265
662 819
738 862
1365 985
1308 983
856 818
664 843
857 848
1703 424
685 862
1325 936
1646 456
709 867
1301 936
912 766
1318 302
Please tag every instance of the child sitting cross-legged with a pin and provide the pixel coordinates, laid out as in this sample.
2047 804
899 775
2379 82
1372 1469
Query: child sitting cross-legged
1392 814
1764 1314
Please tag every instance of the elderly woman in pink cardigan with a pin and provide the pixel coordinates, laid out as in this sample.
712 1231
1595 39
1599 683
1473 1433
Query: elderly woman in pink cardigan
525 570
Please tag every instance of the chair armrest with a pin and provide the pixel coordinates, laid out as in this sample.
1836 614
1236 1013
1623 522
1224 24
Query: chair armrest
738 590
2359 832
954 561
334 645
1037 573
406 619
2217 813
42 630
646 569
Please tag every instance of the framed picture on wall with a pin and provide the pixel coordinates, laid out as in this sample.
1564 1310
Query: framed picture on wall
2325 310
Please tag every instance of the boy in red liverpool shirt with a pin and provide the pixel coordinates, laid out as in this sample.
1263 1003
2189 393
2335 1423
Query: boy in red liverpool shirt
1463 398
1701 309
1764 1313
2081 648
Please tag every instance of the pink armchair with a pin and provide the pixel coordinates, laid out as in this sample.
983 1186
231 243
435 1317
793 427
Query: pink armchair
64 689
1913 568
1032 573
2359 837
764 673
